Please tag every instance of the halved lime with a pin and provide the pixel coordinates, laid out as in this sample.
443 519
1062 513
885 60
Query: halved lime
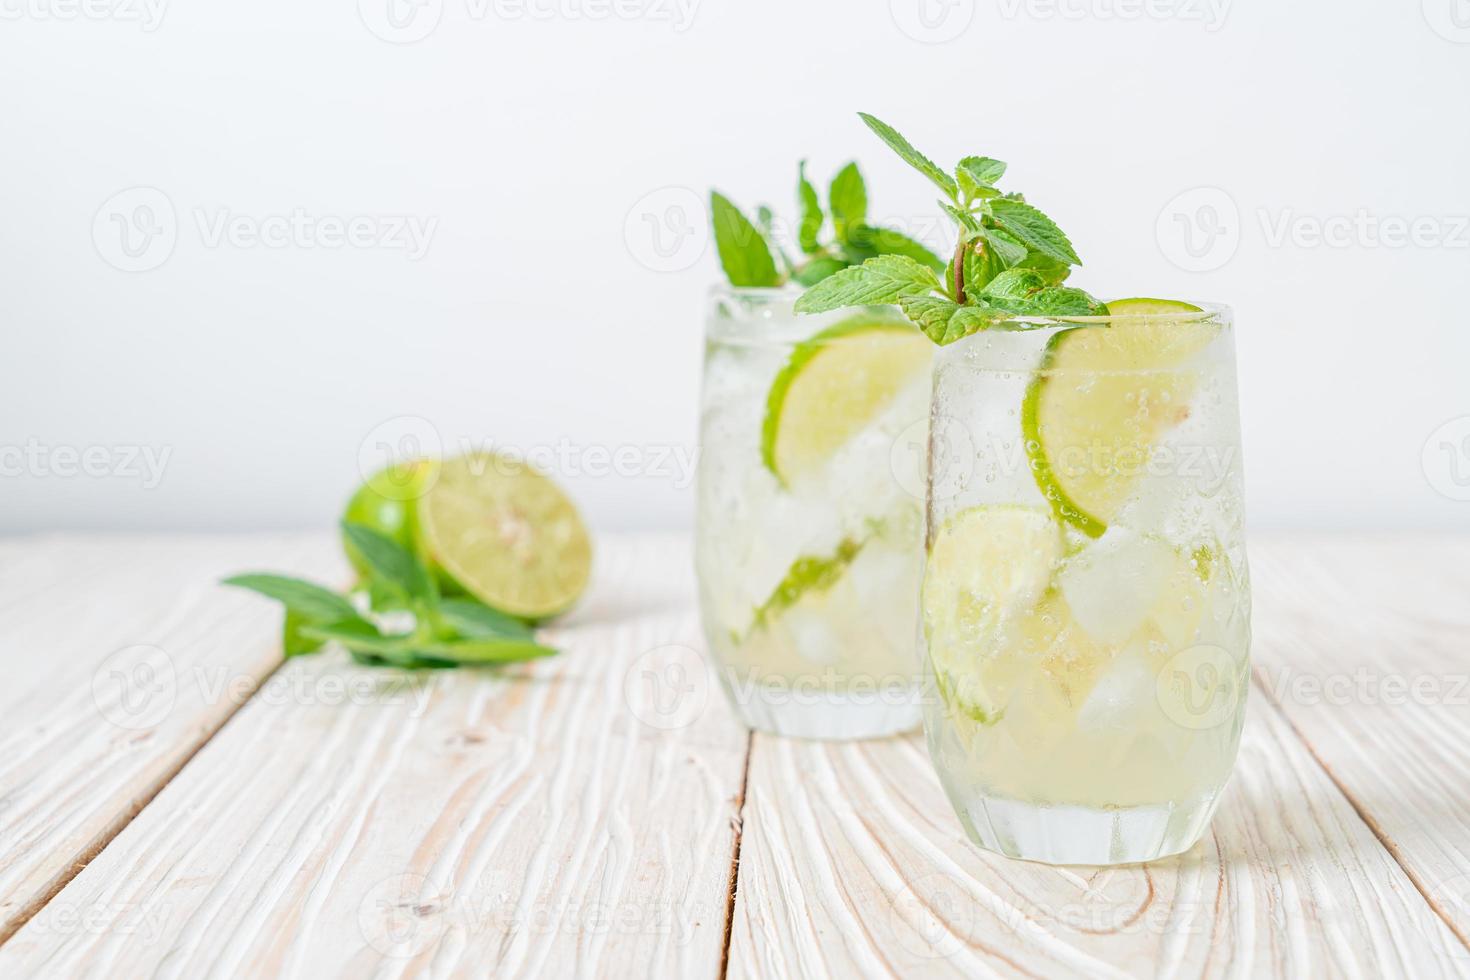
987 573
1102 398
506 534
834 384
386 504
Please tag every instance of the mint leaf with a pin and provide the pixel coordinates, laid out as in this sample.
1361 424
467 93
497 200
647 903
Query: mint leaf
1033 228
981 266
979 173
1065 301
484 650
818 269
911 156
743 252
944 321
965 219
1008 251
885 279
811 212
1027 292
307 600
390 564
848 200
886 241
472 619
1013 287
293 643
1054 271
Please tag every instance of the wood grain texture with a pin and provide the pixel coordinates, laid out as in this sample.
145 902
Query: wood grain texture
545 821
1365 647
121 656
853 864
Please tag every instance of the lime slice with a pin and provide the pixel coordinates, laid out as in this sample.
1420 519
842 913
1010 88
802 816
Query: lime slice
385 503
506 534
835 383
1100 401
988 570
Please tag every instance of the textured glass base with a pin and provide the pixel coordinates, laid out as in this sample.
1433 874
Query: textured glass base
825 714
1061 834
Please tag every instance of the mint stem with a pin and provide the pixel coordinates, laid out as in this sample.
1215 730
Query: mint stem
957 271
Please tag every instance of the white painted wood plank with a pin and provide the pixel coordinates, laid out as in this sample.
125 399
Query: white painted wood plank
853 864
120 656
463 823
1365 646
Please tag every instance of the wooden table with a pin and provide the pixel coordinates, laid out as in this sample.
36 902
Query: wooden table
175 802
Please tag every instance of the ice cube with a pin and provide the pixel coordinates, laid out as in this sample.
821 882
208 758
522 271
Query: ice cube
1113 584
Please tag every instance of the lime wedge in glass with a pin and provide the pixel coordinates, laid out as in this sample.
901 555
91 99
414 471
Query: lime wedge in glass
506 534
988 573
835 384
1102 398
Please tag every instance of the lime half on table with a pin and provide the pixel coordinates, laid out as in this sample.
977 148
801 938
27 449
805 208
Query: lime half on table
506 534
833 386
1101 400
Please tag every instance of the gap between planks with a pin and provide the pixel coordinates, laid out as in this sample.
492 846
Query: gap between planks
130 813
735 857
1263 685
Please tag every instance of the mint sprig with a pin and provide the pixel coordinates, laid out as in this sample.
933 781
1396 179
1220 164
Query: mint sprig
749 251
1009 259
447 632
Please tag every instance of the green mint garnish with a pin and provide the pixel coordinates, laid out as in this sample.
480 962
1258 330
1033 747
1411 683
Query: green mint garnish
748 250
450 632
743 252
880 280
1009 260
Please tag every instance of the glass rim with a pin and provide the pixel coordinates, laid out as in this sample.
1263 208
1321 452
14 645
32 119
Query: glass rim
1208 309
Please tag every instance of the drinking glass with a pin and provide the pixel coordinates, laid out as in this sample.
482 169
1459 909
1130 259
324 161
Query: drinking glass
1086 610
808 525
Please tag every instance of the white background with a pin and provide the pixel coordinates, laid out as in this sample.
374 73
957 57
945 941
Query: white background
532 134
